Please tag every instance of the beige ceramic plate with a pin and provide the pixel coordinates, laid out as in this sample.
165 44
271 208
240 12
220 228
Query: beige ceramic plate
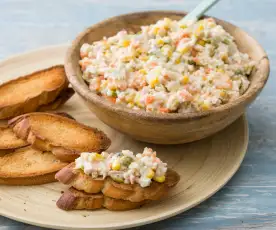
205 166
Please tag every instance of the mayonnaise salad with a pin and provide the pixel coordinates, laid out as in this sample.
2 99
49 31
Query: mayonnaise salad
168 67
124 166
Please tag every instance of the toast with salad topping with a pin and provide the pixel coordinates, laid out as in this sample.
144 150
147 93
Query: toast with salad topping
109 187
29 93
125 177
64 137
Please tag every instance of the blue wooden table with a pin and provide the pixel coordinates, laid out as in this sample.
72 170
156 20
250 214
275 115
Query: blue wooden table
248 200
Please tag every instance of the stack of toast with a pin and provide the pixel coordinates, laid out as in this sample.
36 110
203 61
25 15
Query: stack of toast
88 193
44 90
51 143
34 145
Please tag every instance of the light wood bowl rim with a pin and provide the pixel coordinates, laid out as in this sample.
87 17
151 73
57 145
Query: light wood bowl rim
99 101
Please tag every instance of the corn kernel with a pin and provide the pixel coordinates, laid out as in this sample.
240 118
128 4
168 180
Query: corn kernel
169 54
116 165
142 71
201 42
159 179
154 82
98 156
95 156
138 51
185 50
127 58
222 93
205 106
150 174
220 70
160 42
199 29
117 179
177 61
125 43
185 79
183 26
144 58
155 30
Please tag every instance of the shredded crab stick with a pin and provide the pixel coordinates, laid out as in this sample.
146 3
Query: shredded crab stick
170 66
124 167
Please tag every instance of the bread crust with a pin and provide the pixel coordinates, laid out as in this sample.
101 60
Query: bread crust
64 96
73 199
9 141
20 103
28 127
27 166
110 188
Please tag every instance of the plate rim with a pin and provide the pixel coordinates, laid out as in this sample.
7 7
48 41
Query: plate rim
139 222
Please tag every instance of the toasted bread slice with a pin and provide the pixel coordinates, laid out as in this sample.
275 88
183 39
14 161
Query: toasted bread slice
9 141
27 166
110 188
59 101
75 200
26 94
62 136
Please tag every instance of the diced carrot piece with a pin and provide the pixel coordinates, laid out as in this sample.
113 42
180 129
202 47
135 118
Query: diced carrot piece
185 35
149 99
166 77
187 96
83 55
164 110
111 99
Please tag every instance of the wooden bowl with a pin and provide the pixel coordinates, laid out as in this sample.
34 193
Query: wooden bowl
173 128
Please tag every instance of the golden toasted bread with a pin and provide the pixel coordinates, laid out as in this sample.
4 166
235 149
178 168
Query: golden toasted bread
28 93
131 192
75 200
62 136
9 141
27 166
64 96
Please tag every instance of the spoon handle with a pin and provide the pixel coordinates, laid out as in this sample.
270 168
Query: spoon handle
201 8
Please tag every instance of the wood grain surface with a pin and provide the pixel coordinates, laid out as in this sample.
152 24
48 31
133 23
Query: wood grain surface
248 200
